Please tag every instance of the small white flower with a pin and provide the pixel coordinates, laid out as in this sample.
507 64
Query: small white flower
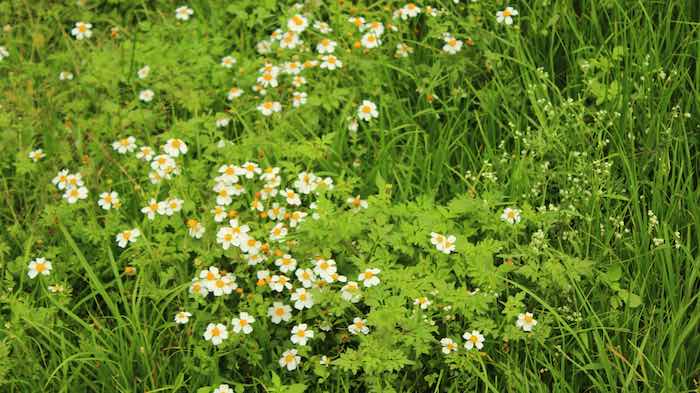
74 193
65 76
298 99
423 302
174 147
358 325
367 110
151 209
370 40
124 145
326 46
330 62
526 321
279 312
228 61
146 95
216 333
369 277
290 359
39 266
511 216
267 108
452 45
302 299
297 23
506 16
474 340
445 244
36 155
448 345
82 30
182 317
243 323
223 388
127 236
183 13
144 71
301 334
108 200
3 53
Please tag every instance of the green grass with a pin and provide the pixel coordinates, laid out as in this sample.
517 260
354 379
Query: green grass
494 104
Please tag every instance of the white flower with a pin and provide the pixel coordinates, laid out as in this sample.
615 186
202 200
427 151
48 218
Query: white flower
65 76
234 92
448 345
326 46
403 50
330 62
151 209
511 216
39 266
474 339
222 122
182 317
3 53
298 99
452 45
263 47
183 13
143 72
292 197
325 268
306 277
290 359
82 30
124 145
374 27
351 292
222 285
174 147
36 155
145 153
367 110
108 200
302 299
423 302
526 321
297 23
228 61
290 40
216 333
73 194
279 312
127 236
301 334
243 323
287 264
410 10
223 388
357 203
506 16
267 108
445 244
146 95
322 27
358 325
369 277
370 40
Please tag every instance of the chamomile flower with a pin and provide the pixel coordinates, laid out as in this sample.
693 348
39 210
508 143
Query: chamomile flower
228 61
448 345
473 340
61 179
296 217
526 321
510 215
326 46
82 30
219 213
506 16
292 67
423 302
358 326
170 206
36 155
209 277
216 333
369 277
182 317
39 266
267 108
243 324
183 13
223 194
290 359
279 312
74 194
357 203
302 299
280 282
452 45
124 145
108 200
297 23
150 209
127 236
146 95
267 80
301 334
330 62
174 147
367 110
223 388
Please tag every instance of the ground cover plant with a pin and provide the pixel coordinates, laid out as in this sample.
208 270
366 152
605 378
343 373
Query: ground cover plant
339 196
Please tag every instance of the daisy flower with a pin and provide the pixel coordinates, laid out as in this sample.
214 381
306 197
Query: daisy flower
36 155
289 40
127 236
279 312
526 321
331 62
370 40
298 81
228 61
146 95
301 334
445 244
286 263
358 21
302 299
81 30
216 333
278 232
474 340
410 10
448 346
151 209
174 147
298 99
297 23
506 16
222 122
326 46
108 200
325 268
243 323
358 325
234 92
267 108
290 359
73 194
195 228
375 27
367 110
511 216
183 13
145 153
292 197
369 277
452 45
124 145
182 317
39 266
306 277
